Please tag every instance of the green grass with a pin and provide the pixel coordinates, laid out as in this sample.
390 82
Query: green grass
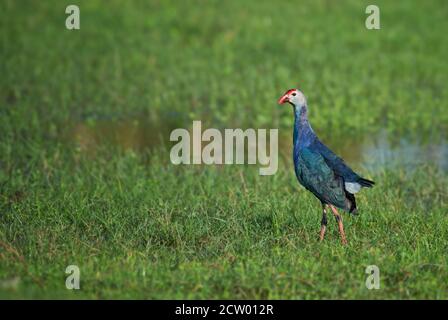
139 227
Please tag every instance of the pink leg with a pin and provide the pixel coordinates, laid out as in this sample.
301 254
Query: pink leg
340 224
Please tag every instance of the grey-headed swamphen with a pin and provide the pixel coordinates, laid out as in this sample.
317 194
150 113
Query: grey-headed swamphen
319 170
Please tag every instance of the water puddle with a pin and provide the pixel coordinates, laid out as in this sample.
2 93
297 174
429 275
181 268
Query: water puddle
136 133
129 134
383 152
379 151
374 152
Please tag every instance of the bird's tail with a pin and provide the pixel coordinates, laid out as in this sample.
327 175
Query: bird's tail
366 183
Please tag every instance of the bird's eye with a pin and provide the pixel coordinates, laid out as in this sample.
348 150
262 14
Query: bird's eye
294 94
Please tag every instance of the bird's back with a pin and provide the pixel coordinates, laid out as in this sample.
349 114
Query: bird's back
321 171
315 175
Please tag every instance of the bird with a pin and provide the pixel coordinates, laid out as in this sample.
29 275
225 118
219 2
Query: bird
319 169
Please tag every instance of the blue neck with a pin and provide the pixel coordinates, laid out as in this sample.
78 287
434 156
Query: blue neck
303 133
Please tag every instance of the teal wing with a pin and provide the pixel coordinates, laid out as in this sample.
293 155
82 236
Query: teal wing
315 175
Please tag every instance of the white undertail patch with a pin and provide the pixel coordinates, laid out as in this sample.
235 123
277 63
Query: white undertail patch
352 187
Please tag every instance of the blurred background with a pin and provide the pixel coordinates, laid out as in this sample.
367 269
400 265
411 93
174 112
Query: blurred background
85 118
137 69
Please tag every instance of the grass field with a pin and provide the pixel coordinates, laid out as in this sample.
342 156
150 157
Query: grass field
85 174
